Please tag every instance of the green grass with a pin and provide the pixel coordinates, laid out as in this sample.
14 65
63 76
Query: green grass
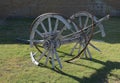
16 65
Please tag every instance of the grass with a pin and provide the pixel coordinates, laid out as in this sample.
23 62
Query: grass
16 65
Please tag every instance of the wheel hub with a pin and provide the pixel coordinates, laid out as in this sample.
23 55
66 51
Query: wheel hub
51 41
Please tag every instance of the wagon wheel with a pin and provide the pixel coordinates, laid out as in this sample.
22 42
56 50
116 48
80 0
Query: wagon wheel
47 32
83 23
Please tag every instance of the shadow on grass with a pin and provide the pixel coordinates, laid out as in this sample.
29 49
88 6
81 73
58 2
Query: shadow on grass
100 76
20 28
14 28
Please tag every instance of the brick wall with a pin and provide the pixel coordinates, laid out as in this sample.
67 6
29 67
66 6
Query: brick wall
114 3
33 8
36 7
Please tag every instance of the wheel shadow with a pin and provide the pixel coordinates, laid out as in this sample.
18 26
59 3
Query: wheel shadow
100 76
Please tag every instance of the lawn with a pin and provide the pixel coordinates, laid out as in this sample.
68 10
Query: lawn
16 65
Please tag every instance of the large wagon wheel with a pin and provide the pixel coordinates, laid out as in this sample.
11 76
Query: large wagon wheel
48 31
84 22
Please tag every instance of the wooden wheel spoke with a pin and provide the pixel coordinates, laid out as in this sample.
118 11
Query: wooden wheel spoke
94 47
43 54
52 54
49 24
60 33
49 53
88 51
57 57
43 26
83 46
56 25
80 47
89 26
74 48
38 41
80 22
39 33
86 21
